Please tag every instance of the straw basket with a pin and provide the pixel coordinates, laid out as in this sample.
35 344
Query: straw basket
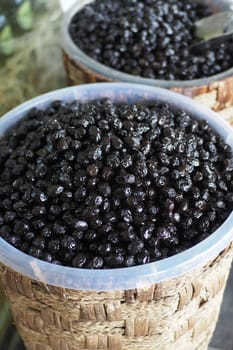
179 312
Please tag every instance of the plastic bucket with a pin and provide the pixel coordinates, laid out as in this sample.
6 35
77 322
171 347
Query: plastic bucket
81 68
172 303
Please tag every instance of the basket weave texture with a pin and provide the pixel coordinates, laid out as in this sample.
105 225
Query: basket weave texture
177 314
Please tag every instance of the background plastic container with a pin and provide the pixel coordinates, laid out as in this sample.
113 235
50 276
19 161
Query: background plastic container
81 68
125 278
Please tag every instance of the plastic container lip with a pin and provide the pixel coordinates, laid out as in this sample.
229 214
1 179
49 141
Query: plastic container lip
79 56
124 278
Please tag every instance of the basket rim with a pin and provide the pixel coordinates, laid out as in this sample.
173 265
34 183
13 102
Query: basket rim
132 277
78 56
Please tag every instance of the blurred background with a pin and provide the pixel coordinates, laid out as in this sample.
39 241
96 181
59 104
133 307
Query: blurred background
31 64
30 57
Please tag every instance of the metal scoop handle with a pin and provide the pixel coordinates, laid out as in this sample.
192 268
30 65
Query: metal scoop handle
215 25
214 31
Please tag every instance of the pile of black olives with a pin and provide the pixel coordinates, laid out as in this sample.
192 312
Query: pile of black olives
148 38
101 185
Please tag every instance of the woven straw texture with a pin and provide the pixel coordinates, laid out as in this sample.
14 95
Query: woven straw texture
177 314
221 92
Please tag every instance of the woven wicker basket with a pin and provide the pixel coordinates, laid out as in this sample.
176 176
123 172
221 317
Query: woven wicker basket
177 314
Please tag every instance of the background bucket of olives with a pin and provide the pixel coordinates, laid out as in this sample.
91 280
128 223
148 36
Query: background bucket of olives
81 68
171 303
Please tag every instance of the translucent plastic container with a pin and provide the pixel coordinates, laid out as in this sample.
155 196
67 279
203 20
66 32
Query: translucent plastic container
124 278
81 68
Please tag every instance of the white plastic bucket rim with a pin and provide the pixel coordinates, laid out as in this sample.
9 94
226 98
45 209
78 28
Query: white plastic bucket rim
132 277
